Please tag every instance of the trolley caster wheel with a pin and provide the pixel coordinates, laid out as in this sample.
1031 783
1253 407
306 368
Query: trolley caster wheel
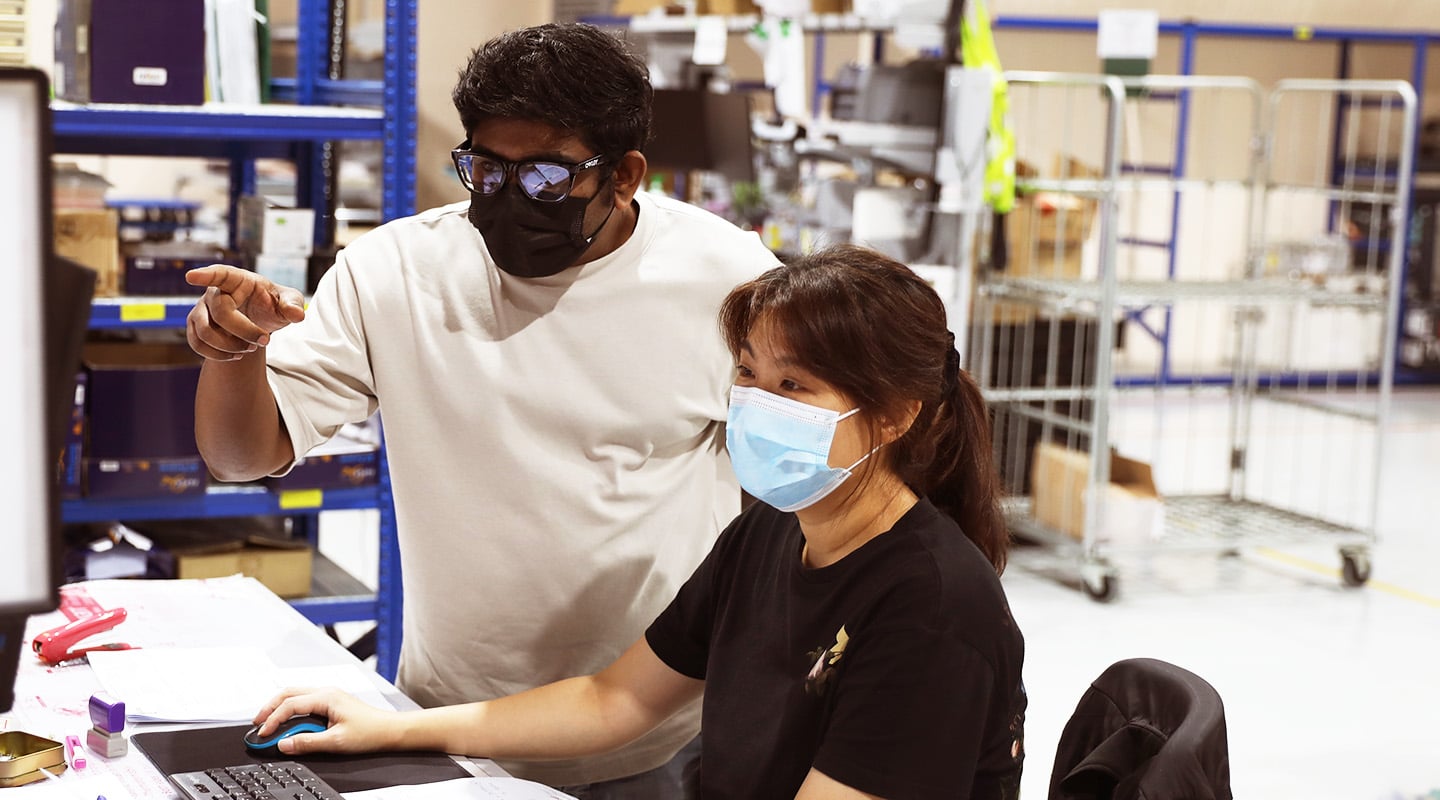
1102 591
1099 582
1354 568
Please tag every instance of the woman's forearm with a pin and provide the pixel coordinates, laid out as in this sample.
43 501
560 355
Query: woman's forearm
569 718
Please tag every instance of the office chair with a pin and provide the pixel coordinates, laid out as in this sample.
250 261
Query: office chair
1144 730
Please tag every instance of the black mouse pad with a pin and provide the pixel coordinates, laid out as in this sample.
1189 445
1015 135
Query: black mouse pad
196 749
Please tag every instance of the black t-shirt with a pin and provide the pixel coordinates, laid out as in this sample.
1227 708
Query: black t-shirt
895 671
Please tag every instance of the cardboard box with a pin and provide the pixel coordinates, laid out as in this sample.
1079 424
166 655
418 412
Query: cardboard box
115 478
726 7
91 237
350 458
1046 232
258 546
292 271
1034 236
264 229
1130 511
1050 220
140 400
284 571
332 471
628 8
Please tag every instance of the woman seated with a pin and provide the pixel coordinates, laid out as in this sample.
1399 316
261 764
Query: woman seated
848 630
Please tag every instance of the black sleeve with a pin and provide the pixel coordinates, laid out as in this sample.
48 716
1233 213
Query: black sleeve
911 715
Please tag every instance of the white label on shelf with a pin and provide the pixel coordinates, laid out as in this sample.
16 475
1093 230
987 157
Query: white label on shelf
150 76
1127 33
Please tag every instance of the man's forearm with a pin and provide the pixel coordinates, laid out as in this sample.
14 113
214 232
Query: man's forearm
237 425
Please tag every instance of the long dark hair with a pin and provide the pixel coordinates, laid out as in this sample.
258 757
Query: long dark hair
873 329
572 76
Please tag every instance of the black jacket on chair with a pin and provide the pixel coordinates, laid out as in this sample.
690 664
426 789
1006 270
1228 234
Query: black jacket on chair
1145 729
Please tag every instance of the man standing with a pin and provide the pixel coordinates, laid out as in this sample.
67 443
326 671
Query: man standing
552 381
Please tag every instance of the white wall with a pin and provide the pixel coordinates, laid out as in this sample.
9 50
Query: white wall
448 30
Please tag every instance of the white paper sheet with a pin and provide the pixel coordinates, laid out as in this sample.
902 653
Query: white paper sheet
71 785
188 684
466 789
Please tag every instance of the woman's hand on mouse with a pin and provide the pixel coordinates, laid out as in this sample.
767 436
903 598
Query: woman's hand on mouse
355 727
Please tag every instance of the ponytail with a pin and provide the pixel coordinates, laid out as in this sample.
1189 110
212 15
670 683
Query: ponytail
961 479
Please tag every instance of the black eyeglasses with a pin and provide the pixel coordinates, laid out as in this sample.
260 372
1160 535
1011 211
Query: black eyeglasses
546 181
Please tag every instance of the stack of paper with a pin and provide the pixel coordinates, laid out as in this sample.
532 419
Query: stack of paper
210 684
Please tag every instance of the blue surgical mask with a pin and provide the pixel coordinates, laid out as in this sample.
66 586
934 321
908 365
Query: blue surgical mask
780 448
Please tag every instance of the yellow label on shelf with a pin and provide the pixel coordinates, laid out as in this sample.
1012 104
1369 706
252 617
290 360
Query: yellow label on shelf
142 312
302 498
1304 33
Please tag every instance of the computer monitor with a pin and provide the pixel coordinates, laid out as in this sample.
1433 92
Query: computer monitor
697 129
43 314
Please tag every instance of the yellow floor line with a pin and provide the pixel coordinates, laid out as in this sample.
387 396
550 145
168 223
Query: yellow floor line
1379 586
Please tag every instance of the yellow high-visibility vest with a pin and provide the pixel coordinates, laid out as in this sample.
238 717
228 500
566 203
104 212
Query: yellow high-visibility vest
977 50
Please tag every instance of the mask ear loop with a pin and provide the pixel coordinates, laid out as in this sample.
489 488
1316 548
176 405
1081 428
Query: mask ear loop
579 232
852 467
852 412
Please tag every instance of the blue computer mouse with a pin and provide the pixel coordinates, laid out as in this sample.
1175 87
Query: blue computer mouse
304 723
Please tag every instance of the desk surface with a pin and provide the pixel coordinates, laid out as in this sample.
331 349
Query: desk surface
223 612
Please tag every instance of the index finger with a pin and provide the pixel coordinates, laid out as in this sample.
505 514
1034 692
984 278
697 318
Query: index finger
265 714
222 276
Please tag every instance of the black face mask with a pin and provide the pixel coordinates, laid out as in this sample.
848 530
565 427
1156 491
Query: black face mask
530 239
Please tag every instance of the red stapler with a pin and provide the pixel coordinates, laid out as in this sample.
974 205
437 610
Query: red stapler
58 644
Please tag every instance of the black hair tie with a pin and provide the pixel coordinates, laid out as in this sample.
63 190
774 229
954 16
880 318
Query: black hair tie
951 373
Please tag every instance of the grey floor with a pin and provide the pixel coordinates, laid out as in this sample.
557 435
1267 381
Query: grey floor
1330 692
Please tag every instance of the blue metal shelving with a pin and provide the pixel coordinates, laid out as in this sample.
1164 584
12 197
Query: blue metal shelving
240 135
219 123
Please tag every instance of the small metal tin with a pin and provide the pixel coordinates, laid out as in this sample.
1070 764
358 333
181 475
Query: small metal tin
23 755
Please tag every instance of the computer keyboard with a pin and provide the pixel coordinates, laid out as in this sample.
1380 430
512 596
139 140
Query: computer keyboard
279 780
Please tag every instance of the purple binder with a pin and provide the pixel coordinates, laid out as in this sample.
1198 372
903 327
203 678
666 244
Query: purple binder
147 51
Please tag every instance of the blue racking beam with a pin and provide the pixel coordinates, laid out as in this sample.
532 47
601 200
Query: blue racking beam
259 502
109 128
1302 33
